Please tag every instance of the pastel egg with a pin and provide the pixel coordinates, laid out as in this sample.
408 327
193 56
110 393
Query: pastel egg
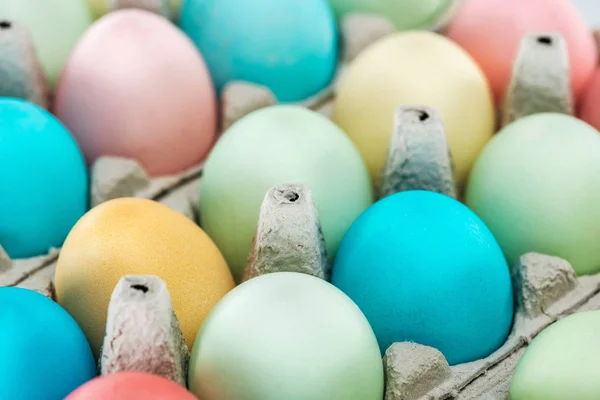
273 146
288 46
423 268
136 87
286 336
55 27
535 186
44 353
562 361
415 68
491 31
43 180
590 105
404 14
131 386
131 236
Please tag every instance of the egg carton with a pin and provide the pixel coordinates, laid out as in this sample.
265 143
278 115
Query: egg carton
546 288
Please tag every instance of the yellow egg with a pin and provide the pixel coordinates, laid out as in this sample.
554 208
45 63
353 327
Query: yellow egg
138 236
415 68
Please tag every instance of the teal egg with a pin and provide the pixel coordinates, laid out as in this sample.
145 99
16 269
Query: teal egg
423 268
562 362
43 180
43 352
289 46
273 146
286 336
535 185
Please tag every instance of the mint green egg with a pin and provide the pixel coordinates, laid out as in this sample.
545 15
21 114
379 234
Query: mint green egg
562 362
272 146
404 14
286 336
536 186
55 27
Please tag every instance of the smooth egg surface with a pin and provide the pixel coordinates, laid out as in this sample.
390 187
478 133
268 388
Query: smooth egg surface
404 14
590 106
273 146
423 268
491 31
136 87
44 354
55 27
286 336
409 68
536 187
131 385
43 180
132 236
562 362
288 46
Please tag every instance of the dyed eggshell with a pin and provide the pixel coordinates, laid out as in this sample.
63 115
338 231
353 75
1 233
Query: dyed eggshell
562 362
136 87
536 187
43 180
54 25
590 106
491 31
101 7
44 353
404 14
423 268
415 68
131 236
273 146
288 46
286 336
131 386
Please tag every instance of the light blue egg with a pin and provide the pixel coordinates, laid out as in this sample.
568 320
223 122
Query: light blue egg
43 180
289 46
44 355
424 268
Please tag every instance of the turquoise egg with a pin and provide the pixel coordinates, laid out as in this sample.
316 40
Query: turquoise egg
423 268
43 180
290 46
43 352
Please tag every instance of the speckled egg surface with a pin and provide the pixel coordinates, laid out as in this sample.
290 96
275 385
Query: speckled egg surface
423 268
131 236
43 180
44 353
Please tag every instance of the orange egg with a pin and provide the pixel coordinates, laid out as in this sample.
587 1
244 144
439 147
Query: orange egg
135 86
140 237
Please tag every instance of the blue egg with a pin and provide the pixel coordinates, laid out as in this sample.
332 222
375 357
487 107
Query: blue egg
43 180
290 46
44 355
424 268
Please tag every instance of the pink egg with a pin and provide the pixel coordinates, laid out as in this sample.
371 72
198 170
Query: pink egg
590 104
135 86
491 30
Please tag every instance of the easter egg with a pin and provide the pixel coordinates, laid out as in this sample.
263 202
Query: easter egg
590 105
404 14
491 31
423 268
55 27
44 353
273 146
136 87
288 46
132 236
131 386
101 7
535 186
415 68
288 336
561 362
43 180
